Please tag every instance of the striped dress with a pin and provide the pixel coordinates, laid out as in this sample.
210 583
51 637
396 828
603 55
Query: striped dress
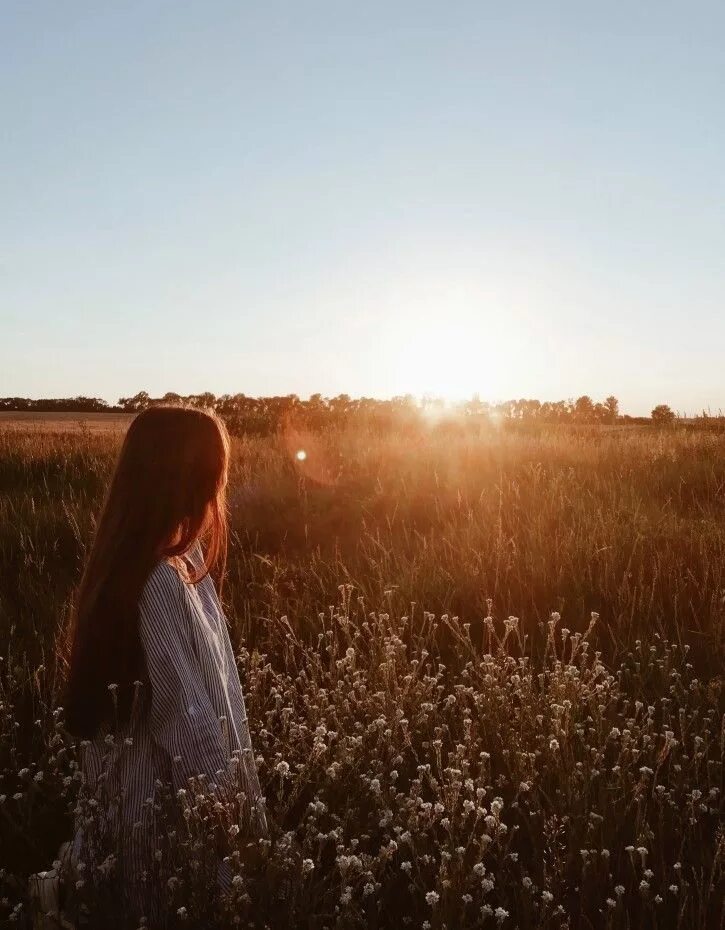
190 720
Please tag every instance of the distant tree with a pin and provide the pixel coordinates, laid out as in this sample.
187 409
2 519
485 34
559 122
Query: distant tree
474 407
611 405
139 401
662 415
584 409
507 409
530 409
84 404
207 400
601 414
340 404
561 411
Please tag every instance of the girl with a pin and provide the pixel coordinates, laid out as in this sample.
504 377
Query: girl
153 685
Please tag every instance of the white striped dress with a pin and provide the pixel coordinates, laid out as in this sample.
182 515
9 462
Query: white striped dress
190 722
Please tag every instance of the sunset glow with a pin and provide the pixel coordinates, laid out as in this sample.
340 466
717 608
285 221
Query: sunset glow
362 465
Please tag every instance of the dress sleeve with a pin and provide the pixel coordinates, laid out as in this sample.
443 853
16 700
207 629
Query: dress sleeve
181 718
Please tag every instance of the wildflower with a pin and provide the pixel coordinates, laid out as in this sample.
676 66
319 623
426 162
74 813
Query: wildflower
432 898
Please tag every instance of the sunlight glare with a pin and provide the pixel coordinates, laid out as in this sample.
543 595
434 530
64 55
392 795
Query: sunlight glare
451 338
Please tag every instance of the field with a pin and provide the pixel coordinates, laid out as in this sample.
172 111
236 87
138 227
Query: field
483 673
63 422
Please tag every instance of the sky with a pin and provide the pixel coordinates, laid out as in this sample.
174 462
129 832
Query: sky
514 199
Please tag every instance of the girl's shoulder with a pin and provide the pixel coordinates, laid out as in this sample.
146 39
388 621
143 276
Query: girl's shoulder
164 583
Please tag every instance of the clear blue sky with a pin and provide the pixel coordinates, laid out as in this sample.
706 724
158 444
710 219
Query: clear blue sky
525 199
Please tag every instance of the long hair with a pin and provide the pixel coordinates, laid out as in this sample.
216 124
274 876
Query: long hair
167 491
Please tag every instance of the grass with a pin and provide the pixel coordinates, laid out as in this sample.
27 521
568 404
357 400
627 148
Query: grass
569 775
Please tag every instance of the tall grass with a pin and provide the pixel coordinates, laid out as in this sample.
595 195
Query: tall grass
530 754
628 523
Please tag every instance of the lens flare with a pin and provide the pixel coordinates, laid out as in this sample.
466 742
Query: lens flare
300 455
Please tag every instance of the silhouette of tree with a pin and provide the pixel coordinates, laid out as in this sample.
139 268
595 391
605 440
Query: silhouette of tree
612 407
662 415
138 402
264 416
584 409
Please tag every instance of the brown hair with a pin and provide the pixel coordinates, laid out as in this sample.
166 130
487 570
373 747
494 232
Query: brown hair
167 491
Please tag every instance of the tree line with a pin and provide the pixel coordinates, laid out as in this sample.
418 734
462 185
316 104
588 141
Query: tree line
263 415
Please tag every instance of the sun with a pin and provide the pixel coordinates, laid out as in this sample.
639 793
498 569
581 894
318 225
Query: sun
449 339
450 360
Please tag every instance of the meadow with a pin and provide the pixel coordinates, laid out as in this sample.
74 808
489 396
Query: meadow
483 670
